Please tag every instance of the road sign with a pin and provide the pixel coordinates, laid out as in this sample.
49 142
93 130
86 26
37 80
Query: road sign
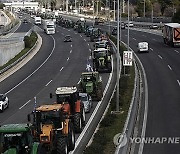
127 58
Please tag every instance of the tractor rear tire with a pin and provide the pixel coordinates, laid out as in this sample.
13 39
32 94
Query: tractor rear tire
77 122
71 137
62 146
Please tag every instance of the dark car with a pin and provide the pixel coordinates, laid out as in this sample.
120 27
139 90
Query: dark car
68 38
25 21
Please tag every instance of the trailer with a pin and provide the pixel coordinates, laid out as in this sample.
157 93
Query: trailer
49 26
171 34
37 20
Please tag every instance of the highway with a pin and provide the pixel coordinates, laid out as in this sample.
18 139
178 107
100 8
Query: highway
56 64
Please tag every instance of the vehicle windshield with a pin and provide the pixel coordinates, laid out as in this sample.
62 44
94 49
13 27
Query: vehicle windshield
1 98
100 54
63 98
83 98
50 116
50 26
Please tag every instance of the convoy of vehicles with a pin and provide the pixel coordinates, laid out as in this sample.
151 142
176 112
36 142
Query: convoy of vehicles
171 34
49 26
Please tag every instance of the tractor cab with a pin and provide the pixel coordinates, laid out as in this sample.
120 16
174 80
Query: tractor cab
17 139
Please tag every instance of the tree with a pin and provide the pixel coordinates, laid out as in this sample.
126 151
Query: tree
176 17
164 5
2 5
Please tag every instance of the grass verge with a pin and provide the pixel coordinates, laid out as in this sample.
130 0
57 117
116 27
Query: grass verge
33 38
113 124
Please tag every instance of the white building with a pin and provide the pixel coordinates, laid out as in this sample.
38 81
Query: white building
23 5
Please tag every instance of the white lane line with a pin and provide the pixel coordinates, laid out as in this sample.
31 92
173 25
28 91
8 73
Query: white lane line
36 69
24 104
67 58
63 28
178 82
71 45
144 35
88 44
79 81
170 67
75 33
151 49
133 38
81 35
90 50
154 39
61 69
84 39
176 51
160 56
70 51
48 83
126 35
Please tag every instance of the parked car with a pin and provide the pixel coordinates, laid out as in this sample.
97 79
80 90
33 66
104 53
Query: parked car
130 24
68 38
153 26
143 47
87 101
4 102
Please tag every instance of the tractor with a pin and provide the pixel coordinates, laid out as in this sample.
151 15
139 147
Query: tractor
95 34
18 139
102 60
69 98
53 128
91 83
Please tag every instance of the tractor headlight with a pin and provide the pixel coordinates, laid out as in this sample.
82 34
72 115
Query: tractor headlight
44 139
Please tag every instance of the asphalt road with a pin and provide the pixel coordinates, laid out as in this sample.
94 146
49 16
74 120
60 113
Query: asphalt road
56 64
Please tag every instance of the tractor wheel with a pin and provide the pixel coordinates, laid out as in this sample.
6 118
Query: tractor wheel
41 149
71 137
77 122
62 146
109 68
83 116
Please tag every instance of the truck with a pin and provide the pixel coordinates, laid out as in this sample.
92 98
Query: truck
49 26
37 20
171 34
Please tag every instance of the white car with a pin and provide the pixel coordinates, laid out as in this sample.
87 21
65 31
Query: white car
130 24
4 102
143 47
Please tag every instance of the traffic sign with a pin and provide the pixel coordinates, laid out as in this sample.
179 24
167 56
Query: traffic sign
127 58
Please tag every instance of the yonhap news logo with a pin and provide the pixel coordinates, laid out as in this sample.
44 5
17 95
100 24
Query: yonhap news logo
122 139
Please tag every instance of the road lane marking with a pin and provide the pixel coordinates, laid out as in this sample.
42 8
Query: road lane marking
178 82
48 83
81 35
67 58
144 35
151 49
61 69
176 51
90 50
169 67
160 56
133 38
79 81
154 39
84 39
24 104
75 33
70 51
71 45
36 69
88 44
68 30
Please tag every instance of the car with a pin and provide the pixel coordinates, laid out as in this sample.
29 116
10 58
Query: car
25 21
122 25
68 38
153 26
4 102
130 24
143 47
114 31
87 101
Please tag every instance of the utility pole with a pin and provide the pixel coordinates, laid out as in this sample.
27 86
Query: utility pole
128 27
123 6
144 8
66 5
75 5
97 8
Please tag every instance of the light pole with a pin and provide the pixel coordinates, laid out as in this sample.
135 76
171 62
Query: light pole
144 8
114 10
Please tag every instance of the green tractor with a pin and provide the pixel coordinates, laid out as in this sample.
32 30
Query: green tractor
91 83
17 139
102 60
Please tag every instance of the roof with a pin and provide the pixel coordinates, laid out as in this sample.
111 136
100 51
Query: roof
49 107
66 90
101 49
175 25
14 128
